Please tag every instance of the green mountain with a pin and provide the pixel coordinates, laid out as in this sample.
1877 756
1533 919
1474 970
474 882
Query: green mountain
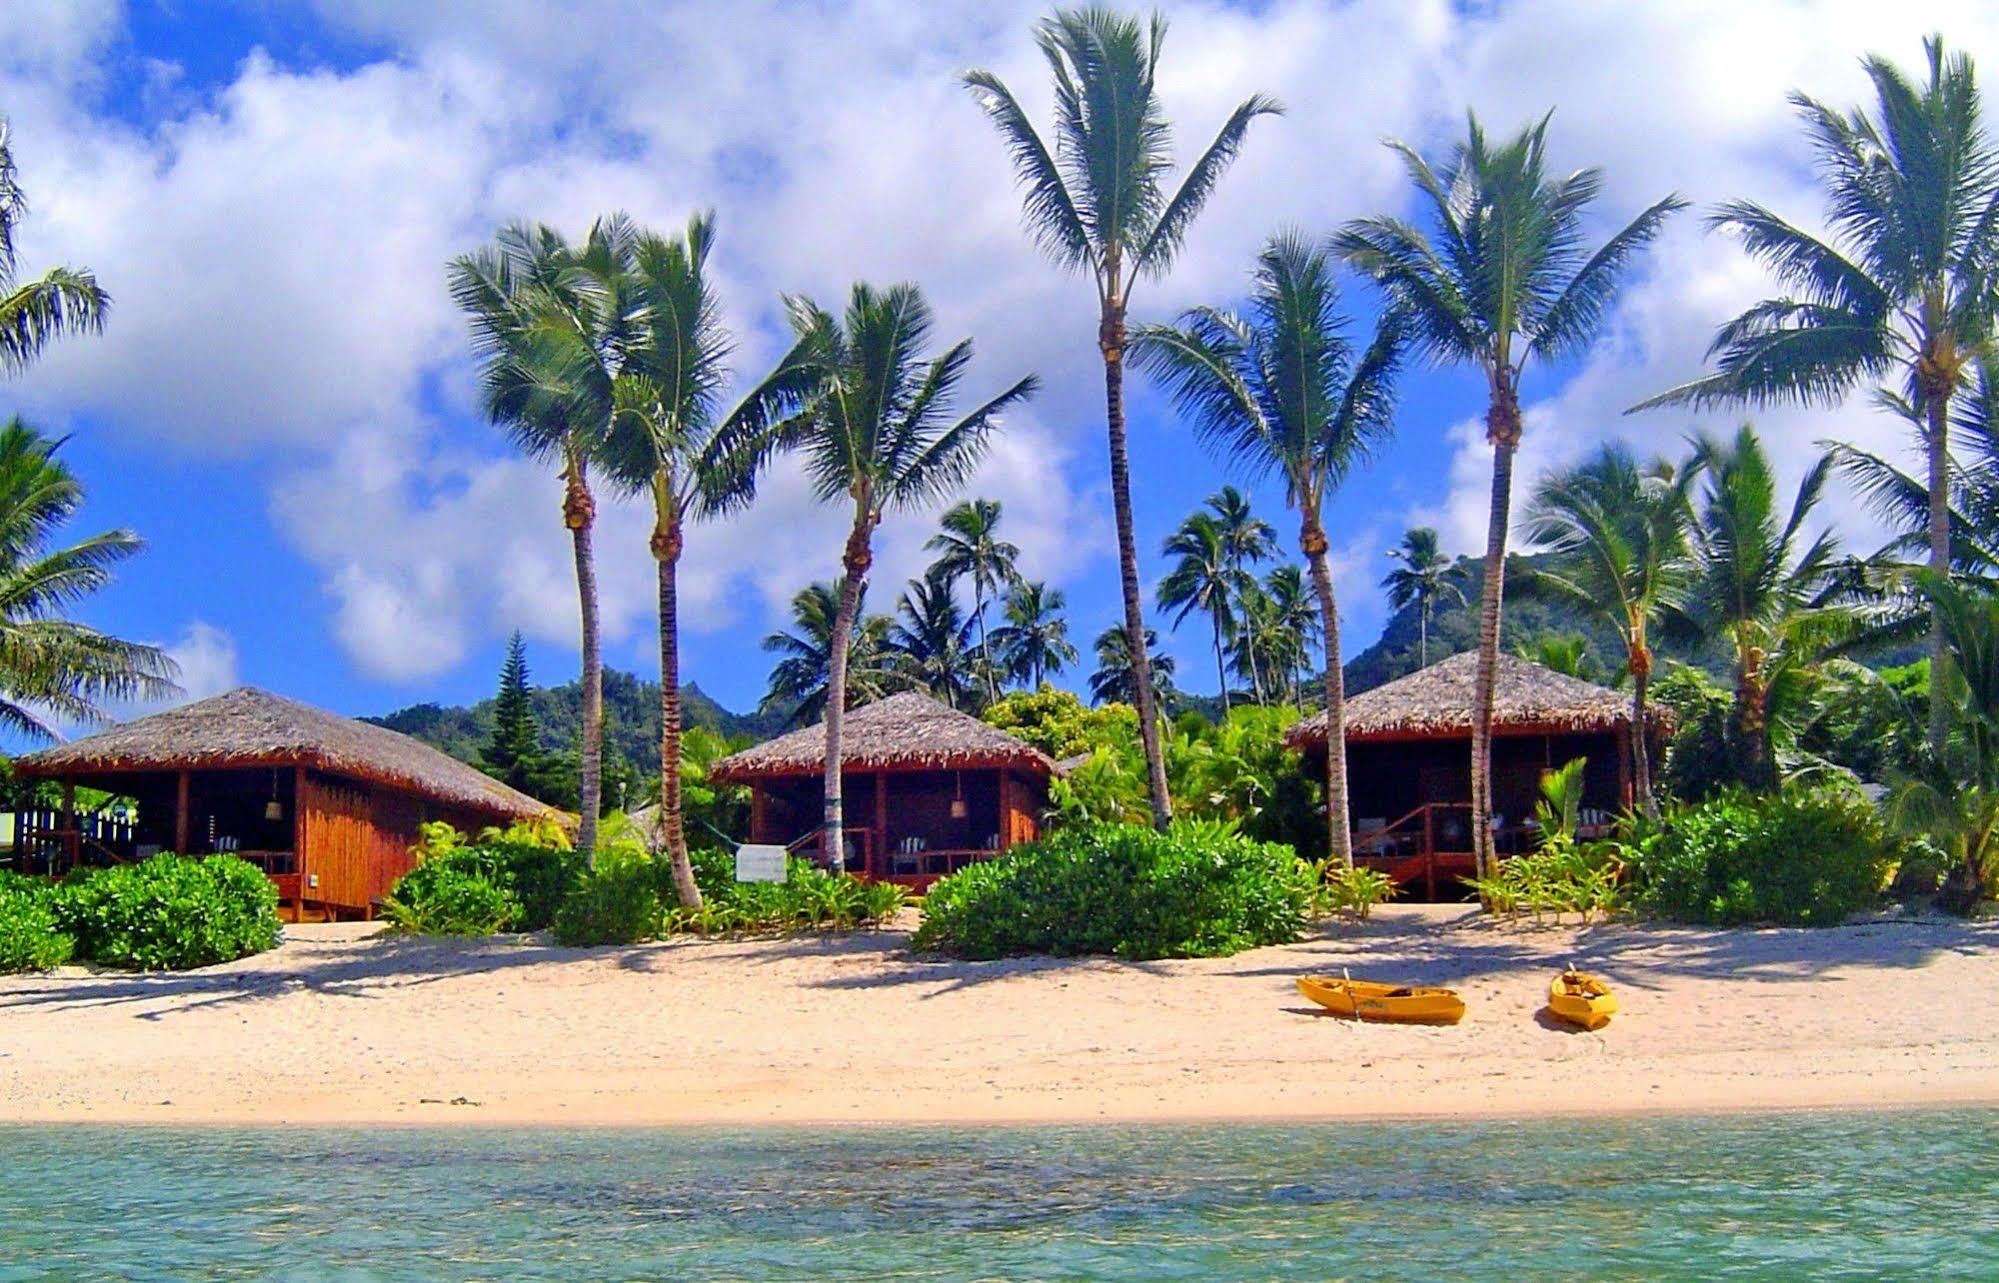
631 720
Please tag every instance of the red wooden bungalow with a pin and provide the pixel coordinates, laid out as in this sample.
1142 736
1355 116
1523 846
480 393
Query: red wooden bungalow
926 789
1409 761
326 805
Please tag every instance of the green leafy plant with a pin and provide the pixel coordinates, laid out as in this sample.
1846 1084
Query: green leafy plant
170 913
504 880
1350 890
1562 877
1199 889
618 902
1801 857
30 939
442 898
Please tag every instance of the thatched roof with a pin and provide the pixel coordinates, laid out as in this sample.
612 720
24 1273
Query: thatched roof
905 731
250 727
1436 703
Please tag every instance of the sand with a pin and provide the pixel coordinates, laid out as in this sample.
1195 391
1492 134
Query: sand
342 1024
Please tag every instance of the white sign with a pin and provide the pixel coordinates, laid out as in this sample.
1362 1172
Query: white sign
759 863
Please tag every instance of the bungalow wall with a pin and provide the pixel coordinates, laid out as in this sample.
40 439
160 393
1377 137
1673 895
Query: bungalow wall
1387 779
356 837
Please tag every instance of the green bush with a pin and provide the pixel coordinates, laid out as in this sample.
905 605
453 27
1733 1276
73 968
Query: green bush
1801 858
1351 891
511 880
806 899
1200 889
170 912
618 902
1562 877
30 939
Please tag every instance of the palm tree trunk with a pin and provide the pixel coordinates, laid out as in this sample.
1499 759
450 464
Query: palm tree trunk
1422 632
1503 429
1111 341
985 652
1221 668
579 513
1339 824
856 562
1641 750
666 547
1939 523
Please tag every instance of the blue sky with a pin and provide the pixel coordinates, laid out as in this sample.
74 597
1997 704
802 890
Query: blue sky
282 402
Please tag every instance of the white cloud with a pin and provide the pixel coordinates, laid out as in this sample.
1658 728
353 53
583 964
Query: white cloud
276 245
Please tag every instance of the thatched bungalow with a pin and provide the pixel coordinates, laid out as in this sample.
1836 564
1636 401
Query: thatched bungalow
1409 760
926 789
326 805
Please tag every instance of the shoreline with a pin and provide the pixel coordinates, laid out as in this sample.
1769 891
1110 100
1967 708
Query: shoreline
339 1030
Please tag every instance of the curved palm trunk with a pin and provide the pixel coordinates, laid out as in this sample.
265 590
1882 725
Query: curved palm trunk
1939 523
1339 824
666 548
985 651
856 562
1111 340
1641 749
1503 429
1221 668
1423 632
579 513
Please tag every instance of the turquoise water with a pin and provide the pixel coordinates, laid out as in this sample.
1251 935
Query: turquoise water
1795 1197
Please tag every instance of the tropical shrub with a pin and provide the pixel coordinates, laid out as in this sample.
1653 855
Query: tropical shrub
1561 877
1200 889
504 880
618 902
1350 891
30 939
807 899
170 912
1800 857
1059 723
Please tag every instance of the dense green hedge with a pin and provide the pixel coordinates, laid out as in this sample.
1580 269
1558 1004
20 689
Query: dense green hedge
629 898
168 913
1200 889
514 880
1802 857
30 937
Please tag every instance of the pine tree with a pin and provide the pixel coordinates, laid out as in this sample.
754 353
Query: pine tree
515 743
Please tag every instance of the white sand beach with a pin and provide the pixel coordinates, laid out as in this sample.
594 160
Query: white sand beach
344 1025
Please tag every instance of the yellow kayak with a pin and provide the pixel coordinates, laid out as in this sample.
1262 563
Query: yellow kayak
1370 1000
1581 999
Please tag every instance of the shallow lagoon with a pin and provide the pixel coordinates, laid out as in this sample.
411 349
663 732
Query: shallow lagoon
1822 1196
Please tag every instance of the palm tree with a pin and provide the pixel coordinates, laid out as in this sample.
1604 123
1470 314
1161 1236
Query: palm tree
1034 641
1284 390
1503 277
1756 581
53 669
874 430
549 323
932 638
669 440
1294 619
63 300
1115 680
1422 577
1202 580
1903 287
1096 203
1250 541
1952 798
1618 532
969 547
800 680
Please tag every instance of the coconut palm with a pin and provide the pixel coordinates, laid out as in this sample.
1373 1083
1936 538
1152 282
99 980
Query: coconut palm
1903 287
800 680
1034 641
550 321
1760 581
931 639
1284 389
875 431
1618 533
62 300
1250 541
1294 622
669 440
1096 202
1423 576
969 547
1202 580
1502 278
1115 680
53 669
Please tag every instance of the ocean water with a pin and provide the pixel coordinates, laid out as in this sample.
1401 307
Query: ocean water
1819 1196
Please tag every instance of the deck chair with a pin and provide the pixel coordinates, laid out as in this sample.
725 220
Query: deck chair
905 860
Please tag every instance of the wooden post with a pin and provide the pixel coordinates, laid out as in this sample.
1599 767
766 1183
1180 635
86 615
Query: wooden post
298 823
181 792
72 845
1625 797
880 843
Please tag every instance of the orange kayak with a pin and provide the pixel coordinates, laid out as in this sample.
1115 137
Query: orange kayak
1393 1004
